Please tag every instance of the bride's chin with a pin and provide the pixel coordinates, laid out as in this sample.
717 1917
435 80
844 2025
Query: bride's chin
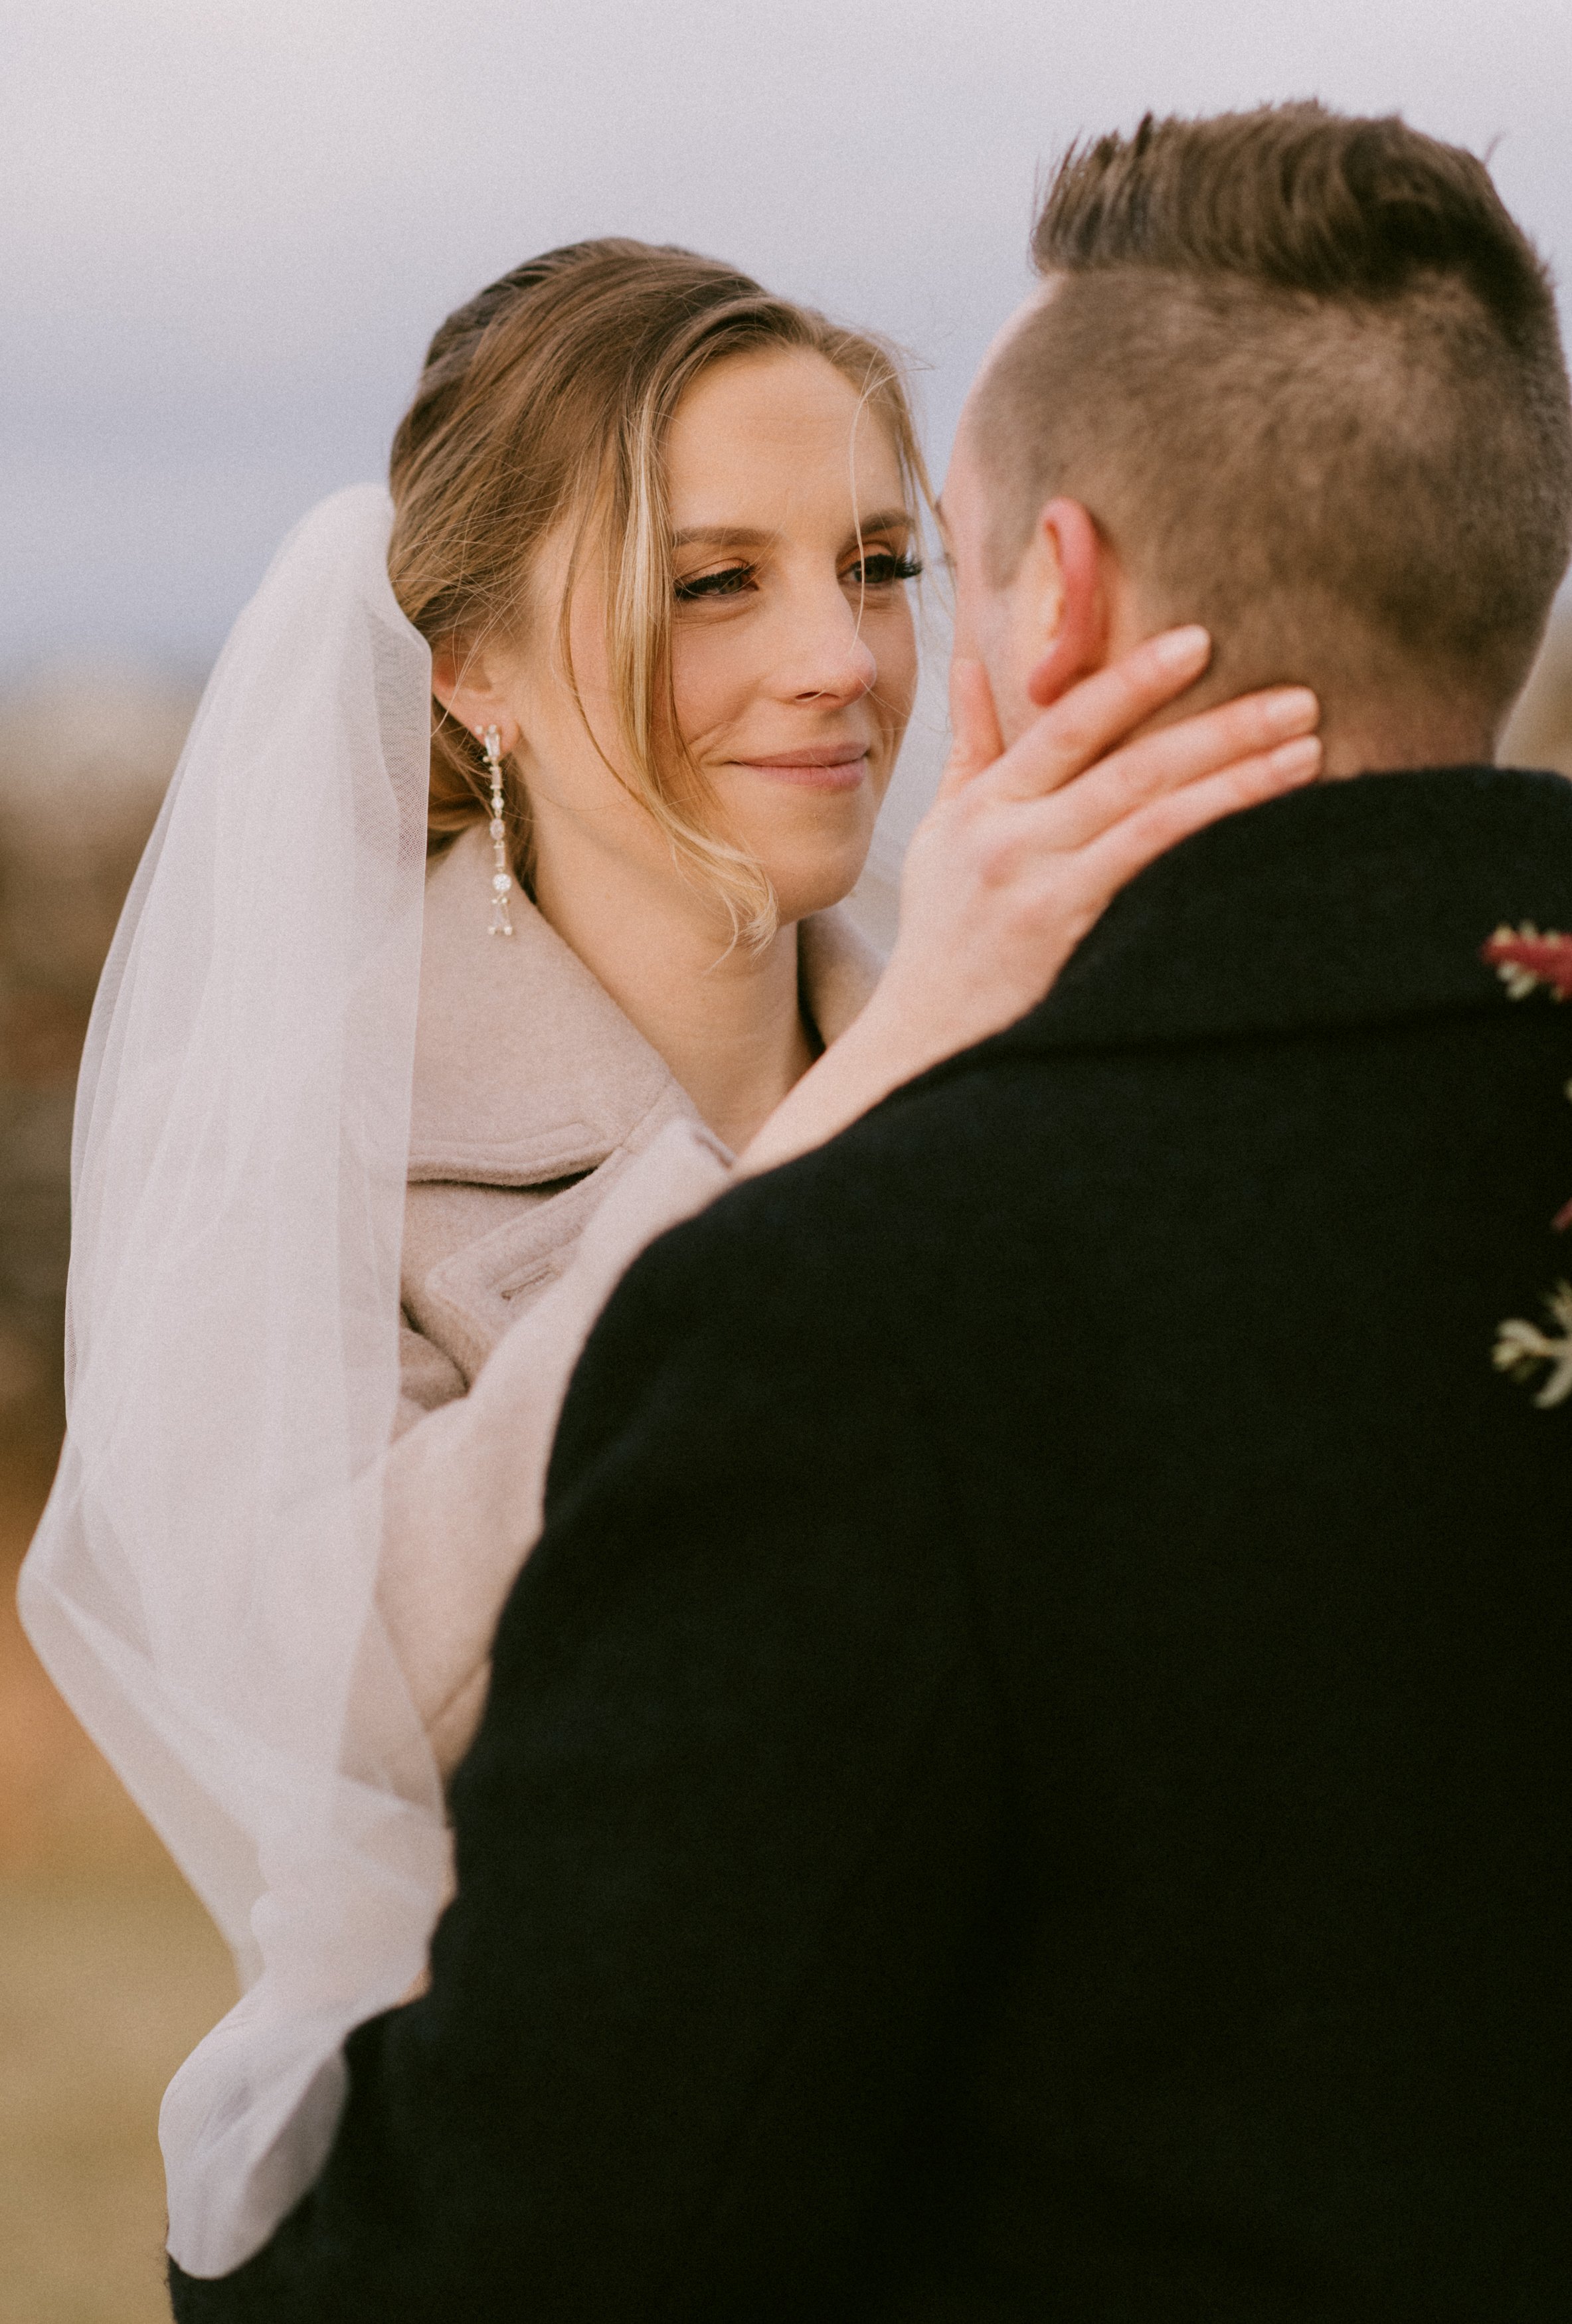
814 851
802 889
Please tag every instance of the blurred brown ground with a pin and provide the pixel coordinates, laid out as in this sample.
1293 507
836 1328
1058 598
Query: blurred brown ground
109 1972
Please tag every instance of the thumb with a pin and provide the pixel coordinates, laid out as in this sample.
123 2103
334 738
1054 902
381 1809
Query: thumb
975 740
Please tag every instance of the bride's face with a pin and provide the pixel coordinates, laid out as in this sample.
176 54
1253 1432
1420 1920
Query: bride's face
793 656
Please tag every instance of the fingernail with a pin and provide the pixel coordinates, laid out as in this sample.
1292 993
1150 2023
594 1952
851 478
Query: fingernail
1177 648
1292 707
1293 762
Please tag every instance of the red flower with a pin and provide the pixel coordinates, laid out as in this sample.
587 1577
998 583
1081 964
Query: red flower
1524 960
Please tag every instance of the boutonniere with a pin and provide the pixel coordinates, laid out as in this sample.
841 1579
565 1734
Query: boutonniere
1527 962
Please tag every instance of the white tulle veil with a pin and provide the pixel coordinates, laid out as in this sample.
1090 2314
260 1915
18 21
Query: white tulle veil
202 1585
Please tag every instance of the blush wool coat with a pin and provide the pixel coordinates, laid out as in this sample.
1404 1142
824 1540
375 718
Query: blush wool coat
548 1144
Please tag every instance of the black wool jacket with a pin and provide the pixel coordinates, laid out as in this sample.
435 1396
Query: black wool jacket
1028 1777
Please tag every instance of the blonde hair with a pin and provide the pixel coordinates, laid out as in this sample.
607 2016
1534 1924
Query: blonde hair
548 399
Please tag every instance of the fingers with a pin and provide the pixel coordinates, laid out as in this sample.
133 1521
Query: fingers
1138 838
1185 754
975 740
1096 715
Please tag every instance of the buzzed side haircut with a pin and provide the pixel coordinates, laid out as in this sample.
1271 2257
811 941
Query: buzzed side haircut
1304 371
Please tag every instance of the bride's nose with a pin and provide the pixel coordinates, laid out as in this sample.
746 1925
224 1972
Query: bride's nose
825 658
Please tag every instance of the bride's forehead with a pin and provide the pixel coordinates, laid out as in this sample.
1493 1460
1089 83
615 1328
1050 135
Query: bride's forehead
784 427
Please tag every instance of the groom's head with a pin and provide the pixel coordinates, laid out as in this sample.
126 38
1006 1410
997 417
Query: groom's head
1292 375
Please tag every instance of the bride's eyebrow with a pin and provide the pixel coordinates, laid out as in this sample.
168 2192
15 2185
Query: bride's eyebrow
895 520
742 536
722 536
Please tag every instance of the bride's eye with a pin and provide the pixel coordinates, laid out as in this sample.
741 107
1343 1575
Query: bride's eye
881 568
729 581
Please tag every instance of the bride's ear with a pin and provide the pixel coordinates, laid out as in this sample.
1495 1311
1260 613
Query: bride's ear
1066 562
467 689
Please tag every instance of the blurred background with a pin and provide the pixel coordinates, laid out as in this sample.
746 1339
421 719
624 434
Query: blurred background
230 230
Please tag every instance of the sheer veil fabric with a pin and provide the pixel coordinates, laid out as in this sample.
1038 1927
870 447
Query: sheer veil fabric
201 1587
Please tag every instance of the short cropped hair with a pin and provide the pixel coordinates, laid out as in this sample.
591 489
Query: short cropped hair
1304 372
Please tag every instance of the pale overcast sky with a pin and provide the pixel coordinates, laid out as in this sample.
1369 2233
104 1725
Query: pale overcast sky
231 225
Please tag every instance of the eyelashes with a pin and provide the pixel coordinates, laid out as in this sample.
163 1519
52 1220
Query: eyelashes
730 583
891 569
880 569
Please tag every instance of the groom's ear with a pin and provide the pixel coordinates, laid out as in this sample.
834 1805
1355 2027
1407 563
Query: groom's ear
1064 562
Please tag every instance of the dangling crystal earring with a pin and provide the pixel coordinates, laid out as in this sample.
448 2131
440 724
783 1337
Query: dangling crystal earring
501 880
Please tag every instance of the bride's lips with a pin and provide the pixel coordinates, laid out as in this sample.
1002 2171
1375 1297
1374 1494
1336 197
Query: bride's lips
826 767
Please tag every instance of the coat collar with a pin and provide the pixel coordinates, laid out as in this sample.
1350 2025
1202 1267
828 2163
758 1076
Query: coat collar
525 1068
1343 903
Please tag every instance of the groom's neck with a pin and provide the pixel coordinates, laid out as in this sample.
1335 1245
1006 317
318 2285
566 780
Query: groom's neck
1382 738
1376 716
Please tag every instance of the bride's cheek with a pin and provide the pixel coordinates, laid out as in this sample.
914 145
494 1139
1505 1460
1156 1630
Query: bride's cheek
703 686
895 653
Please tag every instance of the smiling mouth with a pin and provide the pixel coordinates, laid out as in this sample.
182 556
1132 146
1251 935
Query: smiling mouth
840 769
